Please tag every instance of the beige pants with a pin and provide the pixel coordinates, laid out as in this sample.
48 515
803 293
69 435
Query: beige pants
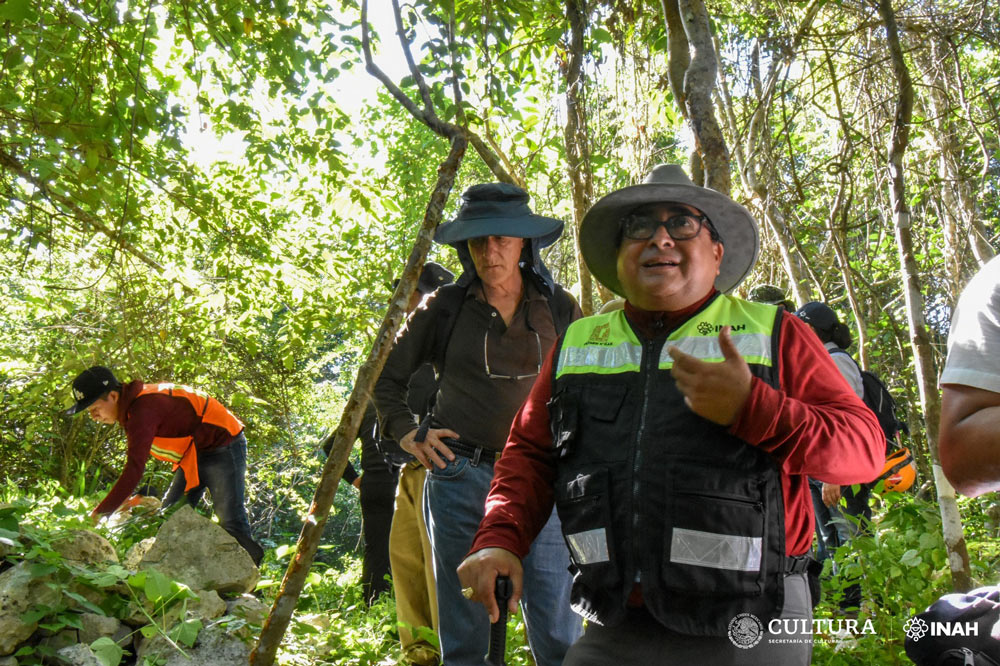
412 567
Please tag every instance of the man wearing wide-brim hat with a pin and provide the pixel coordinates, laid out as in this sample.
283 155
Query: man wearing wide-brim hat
486 336
675 437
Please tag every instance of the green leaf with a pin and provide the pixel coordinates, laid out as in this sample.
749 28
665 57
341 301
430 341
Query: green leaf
107 651
34 615
186 632
158 587
17 10
80 599
38 569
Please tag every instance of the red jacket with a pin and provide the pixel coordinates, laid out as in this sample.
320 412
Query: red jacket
149 416
815 426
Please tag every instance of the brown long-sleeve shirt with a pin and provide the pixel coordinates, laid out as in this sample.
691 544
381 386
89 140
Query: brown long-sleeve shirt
470 402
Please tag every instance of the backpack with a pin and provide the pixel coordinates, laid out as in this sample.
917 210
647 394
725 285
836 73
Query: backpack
957 629
880 401
420 398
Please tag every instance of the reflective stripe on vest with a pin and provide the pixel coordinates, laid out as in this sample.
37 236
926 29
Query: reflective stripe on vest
605 344
180 451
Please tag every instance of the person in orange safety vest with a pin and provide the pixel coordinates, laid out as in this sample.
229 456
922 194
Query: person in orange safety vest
182 426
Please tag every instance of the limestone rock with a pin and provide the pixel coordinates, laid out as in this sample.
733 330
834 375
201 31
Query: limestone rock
96 626
195 551
138 551
78 655
18 593
8 661
84 546
207 607
248 607
214 647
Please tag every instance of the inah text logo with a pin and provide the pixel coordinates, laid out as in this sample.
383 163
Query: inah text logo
916 628
706 328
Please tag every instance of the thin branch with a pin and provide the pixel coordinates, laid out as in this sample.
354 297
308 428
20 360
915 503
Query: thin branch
10 162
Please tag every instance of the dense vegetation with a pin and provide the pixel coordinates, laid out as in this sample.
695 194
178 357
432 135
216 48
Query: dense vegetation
220 195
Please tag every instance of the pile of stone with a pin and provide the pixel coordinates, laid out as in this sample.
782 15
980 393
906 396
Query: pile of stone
189 549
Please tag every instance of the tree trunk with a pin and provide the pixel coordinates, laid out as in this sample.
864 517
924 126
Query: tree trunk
305 550
958 556
753 157
578 144
691 70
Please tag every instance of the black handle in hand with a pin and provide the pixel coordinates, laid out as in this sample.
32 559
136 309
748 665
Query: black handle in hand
498 632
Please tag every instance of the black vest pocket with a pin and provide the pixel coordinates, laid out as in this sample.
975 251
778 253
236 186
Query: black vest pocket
596 411
584 506
715 546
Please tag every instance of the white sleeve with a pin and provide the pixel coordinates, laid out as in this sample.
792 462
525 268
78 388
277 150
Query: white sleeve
974 341
849 369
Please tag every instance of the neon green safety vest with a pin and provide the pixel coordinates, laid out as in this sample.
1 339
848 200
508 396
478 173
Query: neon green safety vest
647 491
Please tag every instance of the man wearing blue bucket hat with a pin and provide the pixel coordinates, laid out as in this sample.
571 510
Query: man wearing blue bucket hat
675 437
486 336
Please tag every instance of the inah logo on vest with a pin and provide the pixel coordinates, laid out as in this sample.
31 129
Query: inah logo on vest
707 328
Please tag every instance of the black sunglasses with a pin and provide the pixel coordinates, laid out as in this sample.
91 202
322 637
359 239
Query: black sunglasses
642 226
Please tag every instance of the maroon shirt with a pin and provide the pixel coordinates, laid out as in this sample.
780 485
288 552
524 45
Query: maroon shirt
149 416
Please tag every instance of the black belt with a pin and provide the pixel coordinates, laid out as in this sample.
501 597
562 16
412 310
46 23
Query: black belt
797 564
476 454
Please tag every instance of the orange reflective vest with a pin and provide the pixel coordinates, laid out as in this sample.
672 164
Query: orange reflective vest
181 451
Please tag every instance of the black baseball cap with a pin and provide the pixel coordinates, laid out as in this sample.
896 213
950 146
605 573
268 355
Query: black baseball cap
90 385
819 316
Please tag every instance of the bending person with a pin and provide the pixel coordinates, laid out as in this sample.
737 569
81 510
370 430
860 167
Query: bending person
177 424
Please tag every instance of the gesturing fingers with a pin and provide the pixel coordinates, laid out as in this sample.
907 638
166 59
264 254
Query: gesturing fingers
715 391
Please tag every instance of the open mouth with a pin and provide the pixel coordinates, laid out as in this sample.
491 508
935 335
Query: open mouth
659 263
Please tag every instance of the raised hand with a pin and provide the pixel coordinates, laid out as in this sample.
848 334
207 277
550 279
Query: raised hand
715 391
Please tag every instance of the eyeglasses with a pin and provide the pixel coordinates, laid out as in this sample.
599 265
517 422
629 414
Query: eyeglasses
486 357
638 226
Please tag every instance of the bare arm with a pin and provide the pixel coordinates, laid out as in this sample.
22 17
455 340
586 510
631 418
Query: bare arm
970 438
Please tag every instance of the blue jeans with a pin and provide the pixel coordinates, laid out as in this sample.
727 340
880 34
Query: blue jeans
222 471
454 504
833 527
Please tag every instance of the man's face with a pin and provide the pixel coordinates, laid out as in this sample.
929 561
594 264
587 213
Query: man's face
661 273
105 410
496 258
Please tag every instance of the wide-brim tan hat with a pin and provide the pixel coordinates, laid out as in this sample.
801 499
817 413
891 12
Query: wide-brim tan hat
668 183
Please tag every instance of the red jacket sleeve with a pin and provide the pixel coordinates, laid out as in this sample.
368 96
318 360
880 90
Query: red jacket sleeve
815 425
521 495
141 429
